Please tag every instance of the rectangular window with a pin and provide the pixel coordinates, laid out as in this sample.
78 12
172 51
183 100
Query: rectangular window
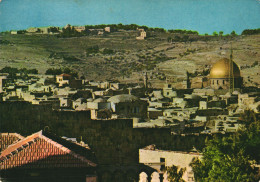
162 159
162 163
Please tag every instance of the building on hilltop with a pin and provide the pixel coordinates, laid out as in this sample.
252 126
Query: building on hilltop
107 29
142 34
80 28
44 156
14 32
33 30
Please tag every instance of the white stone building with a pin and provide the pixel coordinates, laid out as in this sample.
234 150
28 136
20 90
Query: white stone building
159 159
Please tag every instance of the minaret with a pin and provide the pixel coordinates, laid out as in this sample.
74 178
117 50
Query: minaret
145 80
231 73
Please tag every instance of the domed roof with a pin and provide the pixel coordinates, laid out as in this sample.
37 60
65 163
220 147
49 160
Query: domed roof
123 98
221 69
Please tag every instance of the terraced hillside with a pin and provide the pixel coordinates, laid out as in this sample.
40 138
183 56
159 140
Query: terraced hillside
120 56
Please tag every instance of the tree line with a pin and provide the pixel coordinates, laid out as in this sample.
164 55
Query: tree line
251 31
12 72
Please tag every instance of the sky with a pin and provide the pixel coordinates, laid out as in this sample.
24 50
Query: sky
204 16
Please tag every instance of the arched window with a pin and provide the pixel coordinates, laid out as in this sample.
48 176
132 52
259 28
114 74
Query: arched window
143 177
155 177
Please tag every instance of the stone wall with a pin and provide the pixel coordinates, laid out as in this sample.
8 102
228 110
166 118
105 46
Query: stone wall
113 141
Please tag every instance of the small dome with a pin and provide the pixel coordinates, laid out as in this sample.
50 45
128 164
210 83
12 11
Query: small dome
221 69
123 98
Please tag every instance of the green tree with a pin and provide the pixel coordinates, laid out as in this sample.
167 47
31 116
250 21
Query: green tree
52 71
175 174
251 31
215 33
232 158
221 33
11 71
233 33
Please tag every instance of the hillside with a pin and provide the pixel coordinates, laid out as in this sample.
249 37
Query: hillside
119 55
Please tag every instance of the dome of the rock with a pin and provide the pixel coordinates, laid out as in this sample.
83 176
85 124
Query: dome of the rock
225 74
222 69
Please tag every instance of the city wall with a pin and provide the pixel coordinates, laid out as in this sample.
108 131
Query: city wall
113 141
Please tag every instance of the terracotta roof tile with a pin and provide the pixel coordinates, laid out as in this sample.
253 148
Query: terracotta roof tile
39 151
7 139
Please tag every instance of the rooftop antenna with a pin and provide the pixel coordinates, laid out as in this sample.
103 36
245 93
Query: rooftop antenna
231 72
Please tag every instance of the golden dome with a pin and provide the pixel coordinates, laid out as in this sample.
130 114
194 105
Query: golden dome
221 69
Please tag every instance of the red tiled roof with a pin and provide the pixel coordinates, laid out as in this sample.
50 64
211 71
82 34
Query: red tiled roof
39 151
7 139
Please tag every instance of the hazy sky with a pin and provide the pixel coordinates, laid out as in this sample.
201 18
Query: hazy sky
204 16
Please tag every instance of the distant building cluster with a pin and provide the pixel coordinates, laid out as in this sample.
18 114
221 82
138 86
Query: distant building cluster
214 109
58 30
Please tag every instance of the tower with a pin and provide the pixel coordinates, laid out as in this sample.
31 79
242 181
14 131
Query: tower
145 80
231 73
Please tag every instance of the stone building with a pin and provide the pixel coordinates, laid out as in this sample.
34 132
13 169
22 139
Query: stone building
13 32
168 91
63 79
3 80
142 34
225 74
33 30
80 28
160 159
107 29
128 106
